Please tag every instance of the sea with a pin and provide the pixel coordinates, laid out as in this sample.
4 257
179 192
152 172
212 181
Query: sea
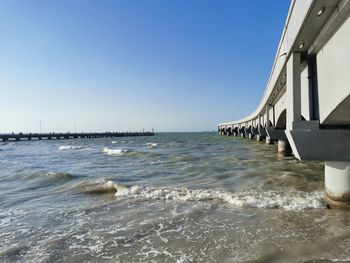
172 197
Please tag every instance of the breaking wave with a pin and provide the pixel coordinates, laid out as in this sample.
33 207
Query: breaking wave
114 142
152 144
119 152
267 199
97 187
72 147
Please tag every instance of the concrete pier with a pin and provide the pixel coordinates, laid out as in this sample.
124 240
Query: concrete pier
337 184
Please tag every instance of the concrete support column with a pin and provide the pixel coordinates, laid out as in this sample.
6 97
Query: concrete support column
293 90
284 148
258 138
269 140
267 115
251 134
337 184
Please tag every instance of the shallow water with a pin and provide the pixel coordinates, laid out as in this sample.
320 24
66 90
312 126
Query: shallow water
174 197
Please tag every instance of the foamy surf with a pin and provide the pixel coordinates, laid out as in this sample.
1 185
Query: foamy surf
114 142
152 144
118 152
268 199
71 147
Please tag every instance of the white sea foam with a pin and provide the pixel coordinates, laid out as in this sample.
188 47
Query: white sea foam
8 216
117 152
297 200
71 147
114 142
152 144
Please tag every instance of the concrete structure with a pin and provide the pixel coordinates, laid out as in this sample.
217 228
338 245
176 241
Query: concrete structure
58 136
306 104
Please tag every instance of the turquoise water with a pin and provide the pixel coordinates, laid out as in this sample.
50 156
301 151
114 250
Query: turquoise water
174 197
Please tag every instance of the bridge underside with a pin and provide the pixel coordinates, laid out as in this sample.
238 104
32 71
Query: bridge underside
306 105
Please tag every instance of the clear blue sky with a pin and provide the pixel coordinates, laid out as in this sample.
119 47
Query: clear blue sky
181 65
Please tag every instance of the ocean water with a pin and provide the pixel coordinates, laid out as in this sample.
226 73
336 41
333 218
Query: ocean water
174 197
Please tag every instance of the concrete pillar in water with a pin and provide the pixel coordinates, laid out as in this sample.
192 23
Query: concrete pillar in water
284 148
242 134
337 184
269 140
258 138
251 136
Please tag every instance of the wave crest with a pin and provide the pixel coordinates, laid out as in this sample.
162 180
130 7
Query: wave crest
109 151
50 177
98 187
268 199
105 188
71 147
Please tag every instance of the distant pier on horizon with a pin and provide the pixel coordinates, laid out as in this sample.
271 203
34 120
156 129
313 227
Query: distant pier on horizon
4 137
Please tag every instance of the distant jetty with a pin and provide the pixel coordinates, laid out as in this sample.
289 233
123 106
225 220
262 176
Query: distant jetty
59 136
